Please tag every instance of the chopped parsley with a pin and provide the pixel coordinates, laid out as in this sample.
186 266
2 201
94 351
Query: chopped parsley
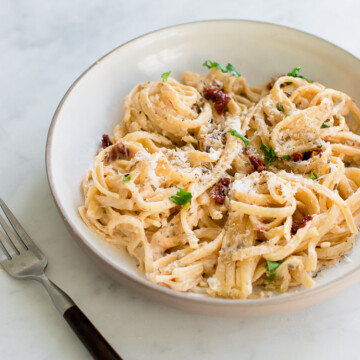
242 137
286 157
312 176
323 126
225 69
270 155
126 178
230 68
271 270
182 197
165 76
295 73
280 107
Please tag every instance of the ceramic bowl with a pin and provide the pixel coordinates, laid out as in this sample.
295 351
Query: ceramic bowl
93 106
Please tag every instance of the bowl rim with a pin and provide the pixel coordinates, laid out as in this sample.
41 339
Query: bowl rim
302 294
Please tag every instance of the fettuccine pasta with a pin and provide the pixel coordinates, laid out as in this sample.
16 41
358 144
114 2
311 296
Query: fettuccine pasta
222 188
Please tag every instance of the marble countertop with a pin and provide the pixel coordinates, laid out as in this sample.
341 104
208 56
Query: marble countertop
44 46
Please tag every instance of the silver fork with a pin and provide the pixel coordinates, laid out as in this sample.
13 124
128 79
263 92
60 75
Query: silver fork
22 259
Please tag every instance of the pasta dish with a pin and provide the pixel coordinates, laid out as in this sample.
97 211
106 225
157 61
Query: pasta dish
227 189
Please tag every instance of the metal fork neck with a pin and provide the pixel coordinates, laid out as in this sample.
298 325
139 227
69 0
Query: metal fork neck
61 300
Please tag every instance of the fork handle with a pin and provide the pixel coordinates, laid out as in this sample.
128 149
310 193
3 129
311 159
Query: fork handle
97 346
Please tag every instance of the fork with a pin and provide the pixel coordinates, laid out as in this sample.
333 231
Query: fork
22 259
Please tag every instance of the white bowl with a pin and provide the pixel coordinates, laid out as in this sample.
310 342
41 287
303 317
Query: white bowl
93 106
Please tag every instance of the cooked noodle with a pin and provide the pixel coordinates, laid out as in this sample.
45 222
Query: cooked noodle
251 227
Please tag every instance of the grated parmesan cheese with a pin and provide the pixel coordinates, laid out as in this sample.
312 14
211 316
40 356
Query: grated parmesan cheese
244 185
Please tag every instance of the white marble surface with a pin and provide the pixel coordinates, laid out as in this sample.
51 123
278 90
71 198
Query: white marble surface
44 46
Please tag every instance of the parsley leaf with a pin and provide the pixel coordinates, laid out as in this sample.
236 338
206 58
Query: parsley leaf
286 157
280 107
242 137
210 64
312 176
165 76
270 155
228 69
125 179
295 73
323 126
271 270
182 197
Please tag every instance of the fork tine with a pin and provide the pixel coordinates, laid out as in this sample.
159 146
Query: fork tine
12 237
10 252
3 253
25 238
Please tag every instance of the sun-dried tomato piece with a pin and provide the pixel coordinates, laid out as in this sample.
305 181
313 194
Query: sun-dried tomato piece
297 157
296 225
219 98
251 169
306 155
105 142
258 164
118 152
220 190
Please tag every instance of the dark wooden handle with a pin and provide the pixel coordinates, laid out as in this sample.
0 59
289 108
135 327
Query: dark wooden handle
98 347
